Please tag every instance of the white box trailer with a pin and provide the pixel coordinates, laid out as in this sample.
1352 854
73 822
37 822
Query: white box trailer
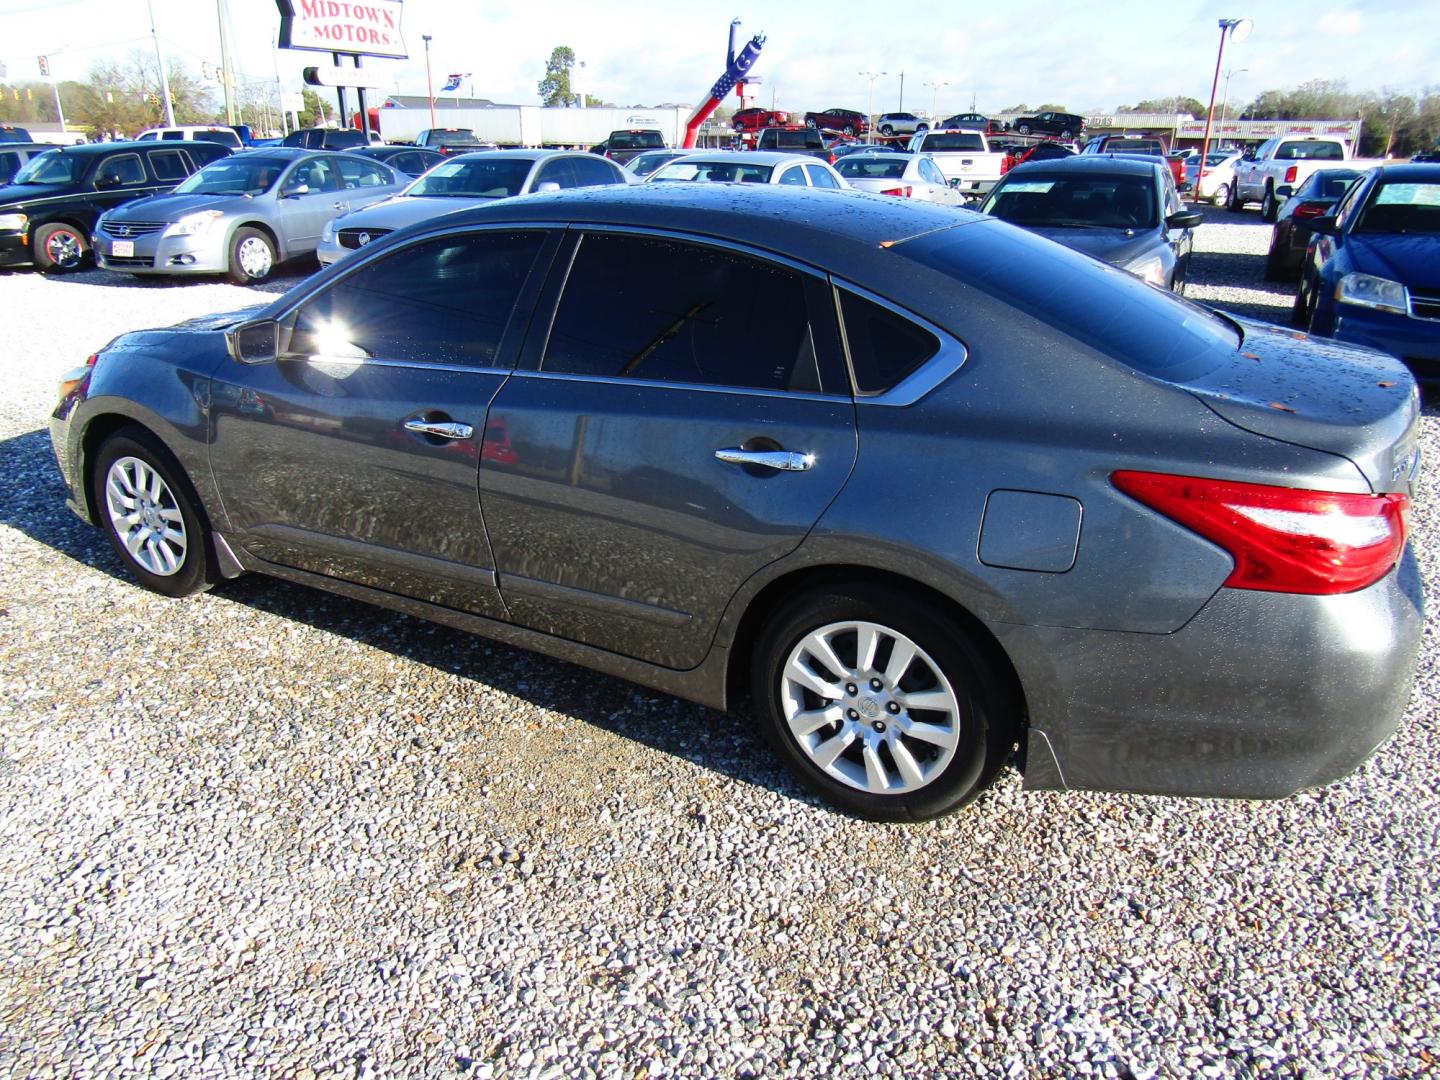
532 125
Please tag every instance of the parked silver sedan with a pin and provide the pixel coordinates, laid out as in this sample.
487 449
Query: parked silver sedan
467 180
907 176
241 215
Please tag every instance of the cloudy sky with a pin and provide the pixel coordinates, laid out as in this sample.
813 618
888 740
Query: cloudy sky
1090 56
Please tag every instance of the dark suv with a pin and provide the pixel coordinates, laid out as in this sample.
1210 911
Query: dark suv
621 146
326 139
1062 124
847 120
794 141
9 133
451 141
58 196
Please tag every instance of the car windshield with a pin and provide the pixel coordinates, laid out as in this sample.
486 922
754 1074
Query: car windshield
495 178
954 140
1401 208
238 175
645 164
458 137
51 167
1134 146
1120 202
722 171
635 140
867 167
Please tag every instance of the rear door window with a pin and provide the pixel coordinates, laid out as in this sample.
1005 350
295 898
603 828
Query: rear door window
168 165
884 346
665 311
560 171
794 176
122 170
358 173
443 301
820 177
590 171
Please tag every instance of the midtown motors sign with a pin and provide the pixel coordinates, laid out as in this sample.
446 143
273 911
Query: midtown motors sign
356 27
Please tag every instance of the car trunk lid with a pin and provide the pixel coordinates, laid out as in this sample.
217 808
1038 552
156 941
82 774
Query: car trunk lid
1357 403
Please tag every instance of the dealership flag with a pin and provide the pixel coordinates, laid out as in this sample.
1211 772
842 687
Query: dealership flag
453 82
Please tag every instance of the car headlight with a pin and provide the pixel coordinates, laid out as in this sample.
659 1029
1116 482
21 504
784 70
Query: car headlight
194 224
1367 290
1149 268
327 234
14 221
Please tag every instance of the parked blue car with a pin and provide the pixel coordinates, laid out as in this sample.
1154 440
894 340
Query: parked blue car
1372 270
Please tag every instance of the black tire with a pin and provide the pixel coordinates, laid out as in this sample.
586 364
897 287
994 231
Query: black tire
1300 311
985 720
1221 196
59 248
810 122
1233 203
240 249
1269 205
886 129
194 570
1023 129
1066 135
849 129
922 127
1274 271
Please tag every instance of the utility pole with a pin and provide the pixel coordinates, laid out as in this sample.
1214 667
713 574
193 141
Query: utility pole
901 107
227 72
164 72
429 82
46 68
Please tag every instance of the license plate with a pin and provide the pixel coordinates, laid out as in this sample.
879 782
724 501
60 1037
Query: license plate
122 249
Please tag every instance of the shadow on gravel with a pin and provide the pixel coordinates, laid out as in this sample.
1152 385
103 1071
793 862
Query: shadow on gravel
285 276
32 501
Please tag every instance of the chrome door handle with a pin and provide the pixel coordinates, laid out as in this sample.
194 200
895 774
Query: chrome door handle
781 460
342 206
441 429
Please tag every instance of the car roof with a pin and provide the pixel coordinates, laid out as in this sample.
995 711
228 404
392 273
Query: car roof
1428 172
1113 164
749 157
94 149
790 219
29 146
524 155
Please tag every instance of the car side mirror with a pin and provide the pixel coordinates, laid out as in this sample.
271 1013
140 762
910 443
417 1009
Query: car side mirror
105 183
255 343
548 185
955 182
296 191
1325 226
1284 191
1184 219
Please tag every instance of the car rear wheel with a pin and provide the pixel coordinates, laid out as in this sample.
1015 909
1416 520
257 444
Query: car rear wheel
1302 309
1233 201
1269 206
810 122
849 129
1066 135
252 257
1023 129
151 515
886 129
1221 196
1274 265
883 706
59 248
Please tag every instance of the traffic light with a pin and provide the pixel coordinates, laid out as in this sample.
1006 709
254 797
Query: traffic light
44 65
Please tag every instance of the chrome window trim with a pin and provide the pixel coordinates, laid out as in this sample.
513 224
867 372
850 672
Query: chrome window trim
944 362
380 361
662 384
704 241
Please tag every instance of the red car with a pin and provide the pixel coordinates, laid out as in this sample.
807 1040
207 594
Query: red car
755 119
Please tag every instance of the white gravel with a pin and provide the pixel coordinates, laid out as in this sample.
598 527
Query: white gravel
270 832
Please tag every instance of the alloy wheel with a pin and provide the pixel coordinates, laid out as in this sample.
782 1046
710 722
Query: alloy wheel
146 516
64 249
870 708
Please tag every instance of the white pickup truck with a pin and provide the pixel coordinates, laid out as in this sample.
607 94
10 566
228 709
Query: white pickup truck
964 157
1285 162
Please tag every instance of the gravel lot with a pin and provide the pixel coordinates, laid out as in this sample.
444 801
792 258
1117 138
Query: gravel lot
268 831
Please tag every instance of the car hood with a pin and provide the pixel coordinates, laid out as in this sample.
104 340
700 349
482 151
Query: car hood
1114 246
402 210
1342 399
220 320
174 207
1410 260
12 194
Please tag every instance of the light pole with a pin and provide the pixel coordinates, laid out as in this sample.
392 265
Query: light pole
1239 29
429 82
164 74
870 108
1225 99
901 106
934 95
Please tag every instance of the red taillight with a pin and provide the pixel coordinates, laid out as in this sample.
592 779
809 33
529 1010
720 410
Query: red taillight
1290 174
903 191
1282 539
1007 163
1311 209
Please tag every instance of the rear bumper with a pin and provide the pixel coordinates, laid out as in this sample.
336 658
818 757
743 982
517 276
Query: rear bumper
1257 697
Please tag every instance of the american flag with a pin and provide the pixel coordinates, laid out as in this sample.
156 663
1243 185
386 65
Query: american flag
453 82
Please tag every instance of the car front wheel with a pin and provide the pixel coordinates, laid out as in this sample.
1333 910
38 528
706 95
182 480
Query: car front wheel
1023 129
252 257
59 248
151 515
1269 205
882 705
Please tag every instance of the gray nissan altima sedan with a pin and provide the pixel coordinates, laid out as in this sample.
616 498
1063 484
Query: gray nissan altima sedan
242 215
932 492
